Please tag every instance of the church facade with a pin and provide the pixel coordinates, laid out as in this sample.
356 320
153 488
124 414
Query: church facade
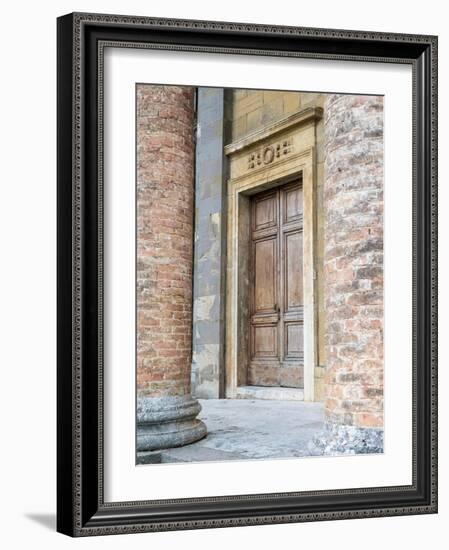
259 258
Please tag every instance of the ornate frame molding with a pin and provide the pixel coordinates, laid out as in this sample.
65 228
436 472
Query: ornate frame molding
81 41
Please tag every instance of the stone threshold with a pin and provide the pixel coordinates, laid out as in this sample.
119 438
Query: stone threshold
266 392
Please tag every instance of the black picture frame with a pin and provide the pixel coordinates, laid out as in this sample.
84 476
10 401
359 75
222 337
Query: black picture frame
81 510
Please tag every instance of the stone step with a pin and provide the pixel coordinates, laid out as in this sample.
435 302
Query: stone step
265 392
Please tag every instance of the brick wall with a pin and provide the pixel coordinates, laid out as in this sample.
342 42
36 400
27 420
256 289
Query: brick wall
353 260
165 160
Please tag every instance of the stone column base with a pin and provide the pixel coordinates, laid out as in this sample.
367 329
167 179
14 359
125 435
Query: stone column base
166 422
338 439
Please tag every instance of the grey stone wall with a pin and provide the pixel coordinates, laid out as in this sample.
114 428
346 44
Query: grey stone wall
209 247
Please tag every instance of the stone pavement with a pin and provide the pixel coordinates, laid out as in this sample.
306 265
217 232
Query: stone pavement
249 429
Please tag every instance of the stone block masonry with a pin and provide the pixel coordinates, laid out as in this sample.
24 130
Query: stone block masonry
353 272
165 170
210 246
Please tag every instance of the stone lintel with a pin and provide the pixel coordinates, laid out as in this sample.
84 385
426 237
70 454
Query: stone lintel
310 114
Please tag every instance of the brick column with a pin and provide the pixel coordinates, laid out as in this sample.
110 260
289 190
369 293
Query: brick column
166 412
353 273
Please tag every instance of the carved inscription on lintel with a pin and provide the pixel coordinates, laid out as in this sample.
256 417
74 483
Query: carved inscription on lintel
267 154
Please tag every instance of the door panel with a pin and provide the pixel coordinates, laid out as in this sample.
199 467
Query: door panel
292 258
265 275
276 282
265 212
294 340
265 341
293 204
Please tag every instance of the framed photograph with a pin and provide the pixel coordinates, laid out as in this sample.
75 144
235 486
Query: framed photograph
247 279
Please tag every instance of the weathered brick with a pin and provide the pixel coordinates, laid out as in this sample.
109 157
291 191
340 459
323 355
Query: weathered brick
353 260
165 154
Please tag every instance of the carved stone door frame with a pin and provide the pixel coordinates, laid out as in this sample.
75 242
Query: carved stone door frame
270 157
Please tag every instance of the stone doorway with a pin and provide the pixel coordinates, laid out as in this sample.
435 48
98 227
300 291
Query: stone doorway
276 298
279 155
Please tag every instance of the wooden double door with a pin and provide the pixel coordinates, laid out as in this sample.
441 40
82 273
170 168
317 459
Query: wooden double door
276 306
